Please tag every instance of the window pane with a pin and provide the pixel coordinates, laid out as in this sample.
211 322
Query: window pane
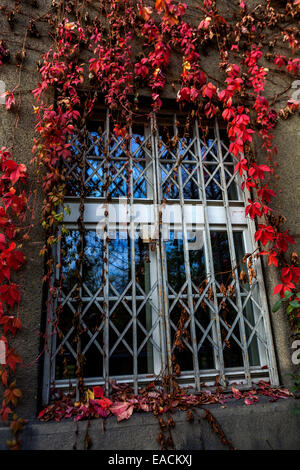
167 145
249 308
230 330
122 304
141 170
178 307
202 310
91 334
95 177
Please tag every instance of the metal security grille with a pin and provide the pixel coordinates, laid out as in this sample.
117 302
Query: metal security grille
165 229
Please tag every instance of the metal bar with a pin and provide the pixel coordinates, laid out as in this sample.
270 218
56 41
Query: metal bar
106 264
187 269
133 273
50 340
233 259
209 264
209 376
161 260
160 282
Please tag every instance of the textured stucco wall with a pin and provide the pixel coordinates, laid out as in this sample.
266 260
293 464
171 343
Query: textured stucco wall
30 309
287 138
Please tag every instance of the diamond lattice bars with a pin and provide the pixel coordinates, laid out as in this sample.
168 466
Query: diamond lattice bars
163 285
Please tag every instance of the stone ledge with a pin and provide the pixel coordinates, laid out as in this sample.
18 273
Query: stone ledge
263 426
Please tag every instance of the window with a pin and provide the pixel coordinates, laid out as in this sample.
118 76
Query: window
165 228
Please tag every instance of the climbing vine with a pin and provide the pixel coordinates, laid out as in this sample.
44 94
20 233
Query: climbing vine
116 53
12 217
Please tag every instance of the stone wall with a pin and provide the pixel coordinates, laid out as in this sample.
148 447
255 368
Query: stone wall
263 426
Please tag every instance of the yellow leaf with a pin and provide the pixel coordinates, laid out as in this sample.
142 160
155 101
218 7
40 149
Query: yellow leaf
89 395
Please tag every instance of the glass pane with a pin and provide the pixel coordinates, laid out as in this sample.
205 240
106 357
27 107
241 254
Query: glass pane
65 364
121 361
168 168
211 170
118 168
202 312
145 311
73 172
221 256
95 176
121 330
232 189
139 163
249 309
222 265
93 261
229 164
232 352
178 309
91 312
189 164
69 258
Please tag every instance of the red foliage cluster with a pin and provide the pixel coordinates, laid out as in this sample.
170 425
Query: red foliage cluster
150 400
12 214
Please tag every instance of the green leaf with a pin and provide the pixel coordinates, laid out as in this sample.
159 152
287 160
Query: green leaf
67 209
288 294
277 306
294 304
289 309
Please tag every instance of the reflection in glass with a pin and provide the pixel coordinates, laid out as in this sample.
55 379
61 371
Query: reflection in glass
202 313
177 154
93 310
222 265
176 280
249 308
120 277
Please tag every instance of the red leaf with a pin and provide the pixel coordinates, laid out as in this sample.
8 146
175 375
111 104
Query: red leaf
9 99
15 259
2 242
98 392
265 194
273 259
10 323
241 166
283 240
10 294
5 411
236 393
253 209
265 234
13 359
4 377
145 12
282 288
122 410
249 401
